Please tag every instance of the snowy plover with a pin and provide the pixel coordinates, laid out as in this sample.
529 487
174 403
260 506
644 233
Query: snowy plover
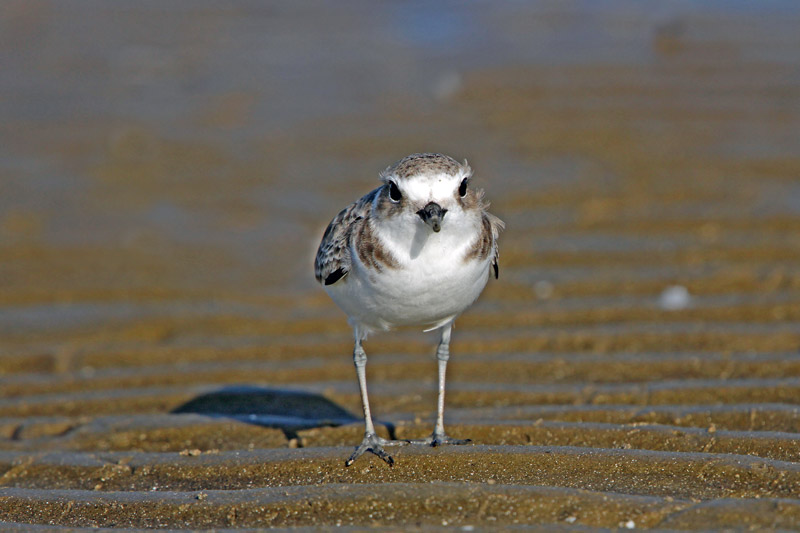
416 251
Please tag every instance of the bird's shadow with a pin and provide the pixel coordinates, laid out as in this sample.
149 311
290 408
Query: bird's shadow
288 410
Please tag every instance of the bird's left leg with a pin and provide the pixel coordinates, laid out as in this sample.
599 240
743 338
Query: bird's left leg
439 437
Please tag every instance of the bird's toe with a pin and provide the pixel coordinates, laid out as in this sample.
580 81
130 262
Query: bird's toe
439 439
374 444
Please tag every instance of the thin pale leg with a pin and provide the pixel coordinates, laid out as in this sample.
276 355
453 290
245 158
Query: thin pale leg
372 442
439 437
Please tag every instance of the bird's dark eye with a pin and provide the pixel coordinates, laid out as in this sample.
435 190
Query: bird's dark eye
394 192
462 189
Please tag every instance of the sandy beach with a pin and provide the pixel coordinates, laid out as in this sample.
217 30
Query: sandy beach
167 359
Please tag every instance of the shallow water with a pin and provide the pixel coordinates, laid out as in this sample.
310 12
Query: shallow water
166 172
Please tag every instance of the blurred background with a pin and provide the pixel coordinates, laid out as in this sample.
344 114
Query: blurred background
198 150
167 170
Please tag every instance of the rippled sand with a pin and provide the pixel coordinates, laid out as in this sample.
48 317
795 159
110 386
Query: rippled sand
166 359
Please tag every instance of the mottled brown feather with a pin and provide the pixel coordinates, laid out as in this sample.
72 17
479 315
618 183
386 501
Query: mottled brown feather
371 251
482 246
486 243
334 259
414 164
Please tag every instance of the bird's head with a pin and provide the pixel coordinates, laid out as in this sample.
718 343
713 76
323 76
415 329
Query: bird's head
432 189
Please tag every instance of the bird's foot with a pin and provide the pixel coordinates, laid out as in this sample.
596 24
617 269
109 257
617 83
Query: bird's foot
439 439
373 443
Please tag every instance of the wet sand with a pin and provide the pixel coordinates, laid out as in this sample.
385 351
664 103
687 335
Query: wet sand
167 360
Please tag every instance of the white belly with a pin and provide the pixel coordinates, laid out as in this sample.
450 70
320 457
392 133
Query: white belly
432 285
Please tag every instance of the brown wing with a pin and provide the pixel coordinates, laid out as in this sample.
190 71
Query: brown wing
333 256
496 225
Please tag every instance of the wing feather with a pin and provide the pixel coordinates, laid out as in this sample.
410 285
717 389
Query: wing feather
333 259
496 224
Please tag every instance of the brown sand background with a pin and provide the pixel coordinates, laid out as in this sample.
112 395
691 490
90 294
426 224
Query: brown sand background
166 170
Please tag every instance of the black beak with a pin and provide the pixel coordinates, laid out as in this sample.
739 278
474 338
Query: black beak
432 214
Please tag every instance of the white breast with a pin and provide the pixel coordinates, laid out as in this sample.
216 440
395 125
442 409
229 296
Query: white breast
431 285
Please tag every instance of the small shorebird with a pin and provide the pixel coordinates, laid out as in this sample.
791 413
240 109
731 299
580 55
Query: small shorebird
416 251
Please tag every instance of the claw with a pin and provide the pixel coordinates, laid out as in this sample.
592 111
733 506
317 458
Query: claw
374 444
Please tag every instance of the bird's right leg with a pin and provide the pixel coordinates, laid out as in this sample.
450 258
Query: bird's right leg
372 442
